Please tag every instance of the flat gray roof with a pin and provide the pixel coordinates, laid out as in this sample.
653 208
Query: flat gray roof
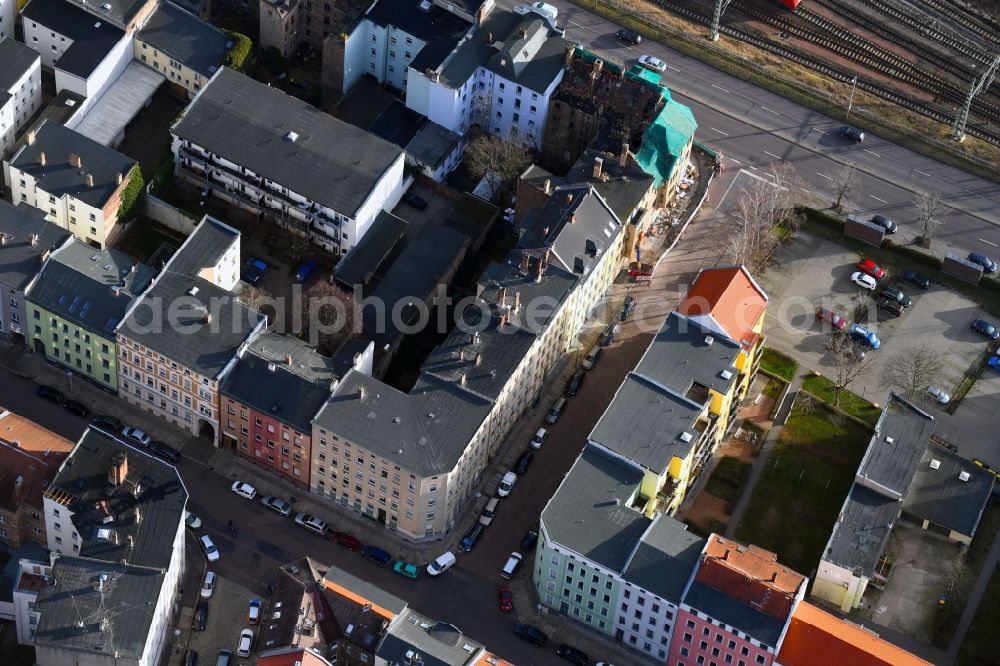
92 39
120 103
359 265
901 435
185 38
862 530
438 643
942 497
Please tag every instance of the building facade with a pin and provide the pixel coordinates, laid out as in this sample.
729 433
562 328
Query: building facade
20 79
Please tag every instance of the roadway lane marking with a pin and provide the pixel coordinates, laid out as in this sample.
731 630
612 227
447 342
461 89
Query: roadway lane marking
771 110
978 196
872 152
752 167
877 199
805 190
824 175
673 68
734 160
772 155
988 242
922 173
719 131
722 89
576 24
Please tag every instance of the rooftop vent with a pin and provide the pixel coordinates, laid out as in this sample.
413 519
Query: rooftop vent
889 440
709 340
726 374
292 136
425 5
193 291
686 436
935 464
964 476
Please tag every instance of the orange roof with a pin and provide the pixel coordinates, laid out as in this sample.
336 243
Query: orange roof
817 638
490 659
32 437
730 297
291 656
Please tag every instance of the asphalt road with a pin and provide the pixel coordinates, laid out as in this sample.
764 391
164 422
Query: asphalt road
754 128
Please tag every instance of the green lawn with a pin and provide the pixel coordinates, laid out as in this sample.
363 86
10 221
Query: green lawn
980 646
778 364
850 403
798 498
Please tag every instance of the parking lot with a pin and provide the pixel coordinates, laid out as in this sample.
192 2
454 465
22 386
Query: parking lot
811 272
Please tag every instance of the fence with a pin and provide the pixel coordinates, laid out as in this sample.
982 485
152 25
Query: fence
169 216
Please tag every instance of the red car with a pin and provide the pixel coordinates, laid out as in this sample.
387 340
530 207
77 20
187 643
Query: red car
506 601
832 318
869 267
344 539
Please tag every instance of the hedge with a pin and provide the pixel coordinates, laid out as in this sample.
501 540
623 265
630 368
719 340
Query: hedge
238 55
132 195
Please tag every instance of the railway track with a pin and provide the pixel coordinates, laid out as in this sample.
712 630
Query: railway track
962 19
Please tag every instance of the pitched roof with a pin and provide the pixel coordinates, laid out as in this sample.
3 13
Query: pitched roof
30 456
91 40
901 435
727 300
17 59
185 38
20 259
438 643
438 29
361 262
665 139
362 592
33 438
949 490
58 178
286 141
817 638
205 247
530 54
664 558
291 655
723 608
119 12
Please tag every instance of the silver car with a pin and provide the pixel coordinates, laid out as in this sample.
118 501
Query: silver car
275 504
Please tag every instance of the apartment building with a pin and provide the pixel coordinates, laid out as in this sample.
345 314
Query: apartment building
361 613
30 456
267 152
181 46
74 305
188 332
75 180
33 573
26 241
736 607
8 14
20 83
115 516
288 24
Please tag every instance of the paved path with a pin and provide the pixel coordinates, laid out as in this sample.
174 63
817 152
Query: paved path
765 452
973 604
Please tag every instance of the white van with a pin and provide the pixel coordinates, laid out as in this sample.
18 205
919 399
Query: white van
444 562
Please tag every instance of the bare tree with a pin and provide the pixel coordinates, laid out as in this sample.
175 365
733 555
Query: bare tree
499 159
845 181
764 204
330 316
930 209
851 361
910 371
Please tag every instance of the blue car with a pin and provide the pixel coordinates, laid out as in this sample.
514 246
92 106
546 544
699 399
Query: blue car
257 264
985 329
988 264
471 538
994 362
862 334
303 271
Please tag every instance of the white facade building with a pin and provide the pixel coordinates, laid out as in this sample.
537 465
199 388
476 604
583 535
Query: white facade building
32 577
8 14
20 85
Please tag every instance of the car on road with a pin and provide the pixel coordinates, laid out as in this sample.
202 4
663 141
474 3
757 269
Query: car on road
530 634
869 267
896 295
574 383
76 408
652 63
628 36
506 600
251 276
244 489
471 538
106 423
523 463
168 453
275 504
890 306
443 562
851 133
994 363
253 611
208 585
489 511
311 523
405 569
864 281
829 316
507 484
940 396
417 202
136 436
884 222
530 539
257 264
191 520
610 333
573 655
592 357
862 334
376 555
200 618
246 640
344 539
538 440
304 270
985 328
50 394
916 279
627 306
511 565
988 264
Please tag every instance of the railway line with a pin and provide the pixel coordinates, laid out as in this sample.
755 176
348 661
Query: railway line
962 19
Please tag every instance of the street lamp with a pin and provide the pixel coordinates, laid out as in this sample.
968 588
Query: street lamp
850 103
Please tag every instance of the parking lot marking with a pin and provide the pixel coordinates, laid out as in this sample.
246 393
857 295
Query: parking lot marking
872 152
824 175
771 110
988 242
877 199
772 155
719 131
722 89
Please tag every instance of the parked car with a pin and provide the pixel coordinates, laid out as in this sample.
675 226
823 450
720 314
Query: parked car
511 565
190 657
225 656
573 655
76 408
244 489
629 36
627 306
592 357
557 409
832 318
168 453
654 64
862 334
530 634
994 363
376 555
890 306
884 222
344 539
507 484
530 539
405 569
275 504
851 133
253 611
988 264
257 264
251 276
869 267
985 328
523 463
539 438
471 538
246 640
208 585
896 295
864 281
443 562
940 396
50 394
136 436
108 424
489 511
303 272
200 618
417 202
311 523
574 383
191 520
610 333
916 279
506 600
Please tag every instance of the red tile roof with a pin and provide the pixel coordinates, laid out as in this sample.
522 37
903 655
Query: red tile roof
30 456
730 297
817 638
291 656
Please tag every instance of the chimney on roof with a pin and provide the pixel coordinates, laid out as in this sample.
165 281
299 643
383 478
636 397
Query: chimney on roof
3 239
74 160
288 359
517 301
461 379
547 186
502 296
33 239
489 38
503 319
570 51
41 158
623 158
118 469
598 167
596 71
90 180
208 317
31 137
572 218
479 359
523 32
45 255
569 199
361 392
118 178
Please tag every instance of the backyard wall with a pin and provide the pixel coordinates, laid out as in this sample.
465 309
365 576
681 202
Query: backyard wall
169 216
